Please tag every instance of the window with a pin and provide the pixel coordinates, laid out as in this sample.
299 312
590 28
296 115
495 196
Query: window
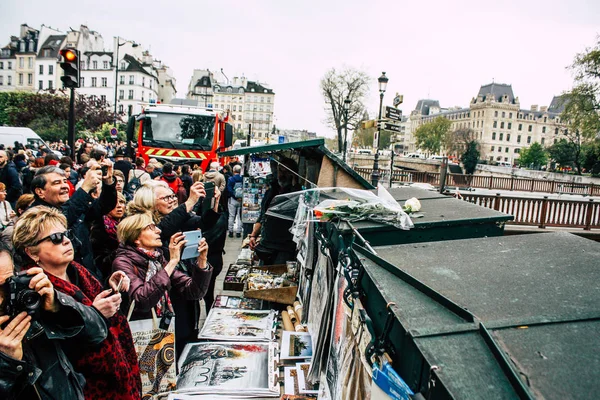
82 81
528 139
131 79
493 135
82 64
543 129
41 70
517 151
150 83
495 124
545 118
555 140
509 115
508 137
530 128
104 82
556 131
94 80
240 108
496 114
121 108
1 65
103 99
21 63
1 80
50 85
520 127
40 85
122 80
121 94
239 126
50 69
94 64
30 79
22 47
30 62
9 80
501 136
131 95
143 81
510 125
501 125
143 95
503 114
10 67
499 149
543 140
493 147
506 151
105 64
234 108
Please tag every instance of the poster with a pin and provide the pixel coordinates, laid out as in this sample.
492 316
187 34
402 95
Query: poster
254 192
304 386
238 324
245 303
228 369
296 346
290 380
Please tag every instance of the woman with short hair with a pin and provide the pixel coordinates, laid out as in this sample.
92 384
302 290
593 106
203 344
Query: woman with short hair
111 369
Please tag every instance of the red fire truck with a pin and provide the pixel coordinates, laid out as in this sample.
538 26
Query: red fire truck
179 134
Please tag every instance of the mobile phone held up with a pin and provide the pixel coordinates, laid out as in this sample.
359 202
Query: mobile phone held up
208 201
104 170
192 239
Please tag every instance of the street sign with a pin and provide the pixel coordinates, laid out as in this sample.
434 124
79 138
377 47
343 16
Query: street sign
398 100
113 132
393 113
393 128
281 139
376 139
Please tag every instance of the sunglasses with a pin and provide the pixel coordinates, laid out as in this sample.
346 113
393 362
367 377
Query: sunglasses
56 238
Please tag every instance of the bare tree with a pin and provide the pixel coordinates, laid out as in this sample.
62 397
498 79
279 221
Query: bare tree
457 142
336 86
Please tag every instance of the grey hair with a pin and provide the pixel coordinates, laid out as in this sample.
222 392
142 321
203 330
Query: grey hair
215 165
237 169
39 180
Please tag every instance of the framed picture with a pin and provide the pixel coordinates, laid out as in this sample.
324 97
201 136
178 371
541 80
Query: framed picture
296 346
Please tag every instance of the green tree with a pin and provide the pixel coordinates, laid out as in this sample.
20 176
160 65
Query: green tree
591 158
564 153
533 156
336 86
430 136
470 157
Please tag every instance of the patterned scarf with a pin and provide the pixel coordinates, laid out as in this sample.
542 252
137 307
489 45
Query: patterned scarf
155 266
111 368
110 225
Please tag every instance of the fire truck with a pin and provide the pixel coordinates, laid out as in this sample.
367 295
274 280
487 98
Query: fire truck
180 134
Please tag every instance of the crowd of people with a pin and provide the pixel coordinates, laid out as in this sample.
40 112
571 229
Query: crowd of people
96 237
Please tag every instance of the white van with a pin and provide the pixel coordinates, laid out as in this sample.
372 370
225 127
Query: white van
438 158
9 134
504 164
415 155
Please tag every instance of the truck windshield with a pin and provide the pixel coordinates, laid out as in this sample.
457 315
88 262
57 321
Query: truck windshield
178 131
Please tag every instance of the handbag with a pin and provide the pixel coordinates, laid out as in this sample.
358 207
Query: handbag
154 343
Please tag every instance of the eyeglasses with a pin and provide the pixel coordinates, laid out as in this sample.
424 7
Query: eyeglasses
169 197
56 238
151 227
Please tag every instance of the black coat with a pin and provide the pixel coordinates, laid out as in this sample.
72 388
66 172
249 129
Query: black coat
10 177
124 167
45 368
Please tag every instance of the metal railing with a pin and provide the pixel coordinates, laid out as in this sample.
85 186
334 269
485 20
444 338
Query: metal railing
486 182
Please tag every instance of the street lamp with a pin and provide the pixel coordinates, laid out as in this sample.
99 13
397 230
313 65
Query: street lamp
383 80
133 44
346 110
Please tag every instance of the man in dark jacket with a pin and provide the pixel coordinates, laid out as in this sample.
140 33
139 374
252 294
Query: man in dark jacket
51 189
10 177
33 363
123 164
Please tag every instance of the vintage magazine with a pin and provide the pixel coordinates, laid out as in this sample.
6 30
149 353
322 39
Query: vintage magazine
238 324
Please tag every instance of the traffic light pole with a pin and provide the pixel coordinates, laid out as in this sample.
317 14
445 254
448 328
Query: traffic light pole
71 137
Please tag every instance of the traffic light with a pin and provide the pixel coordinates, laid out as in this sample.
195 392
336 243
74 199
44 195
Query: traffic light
70 66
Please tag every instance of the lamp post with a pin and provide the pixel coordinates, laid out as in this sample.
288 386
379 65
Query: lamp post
133 44
383 80
346 110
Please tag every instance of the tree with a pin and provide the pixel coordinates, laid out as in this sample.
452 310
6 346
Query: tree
533 156
591 158
336 87
457 142
470 157
564 153
431 135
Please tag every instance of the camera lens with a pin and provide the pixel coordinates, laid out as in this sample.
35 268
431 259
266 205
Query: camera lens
29 301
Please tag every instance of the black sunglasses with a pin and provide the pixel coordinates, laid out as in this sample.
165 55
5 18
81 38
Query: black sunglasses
56 238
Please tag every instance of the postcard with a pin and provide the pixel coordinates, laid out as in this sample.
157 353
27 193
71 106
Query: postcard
295 346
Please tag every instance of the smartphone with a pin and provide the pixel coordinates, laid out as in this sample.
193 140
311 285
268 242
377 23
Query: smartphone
191 247
207 202
119 286
104 170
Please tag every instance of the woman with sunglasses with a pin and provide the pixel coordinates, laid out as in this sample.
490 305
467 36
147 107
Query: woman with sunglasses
111 368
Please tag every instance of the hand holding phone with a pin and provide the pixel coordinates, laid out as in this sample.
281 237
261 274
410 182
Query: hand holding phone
207 202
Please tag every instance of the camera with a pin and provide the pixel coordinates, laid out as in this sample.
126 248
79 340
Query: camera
165 320
19 297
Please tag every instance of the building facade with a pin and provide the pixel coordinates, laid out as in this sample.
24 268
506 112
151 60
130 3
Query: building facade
25 54
8 61
48 70
137 84
497 120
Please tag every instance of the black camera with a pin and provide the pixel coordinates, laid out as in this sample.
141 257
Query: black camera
165 321
19 297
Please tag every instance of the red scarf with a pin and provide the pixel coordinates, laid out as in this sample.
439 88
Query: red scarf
154 266
111 368
110 225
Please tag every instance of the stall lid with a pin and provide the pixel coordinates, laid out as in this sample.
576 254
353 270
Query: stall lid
404 193
536 303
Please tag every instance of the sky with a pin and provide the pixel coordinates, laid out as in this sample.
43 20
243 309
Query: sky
429 49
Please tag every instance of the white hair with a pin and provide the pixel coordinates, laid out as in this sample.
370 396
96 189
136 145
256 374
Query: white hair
215 165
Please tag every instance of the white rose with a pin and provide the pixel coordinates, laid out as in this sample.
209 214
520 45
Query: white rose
412 205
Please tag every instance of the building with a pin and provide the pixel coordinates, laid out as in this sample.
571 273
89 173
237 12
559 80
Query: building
97 76
8 62
499 123
25 53
292 135
166 83
47 63
250 103
138 83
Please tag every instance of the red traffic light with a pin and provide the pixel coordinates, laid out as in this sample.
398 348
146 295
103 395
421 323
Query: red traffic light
69 55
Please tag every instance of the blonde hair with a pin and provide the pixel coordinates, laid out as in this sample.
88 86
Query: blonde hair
2 187
130 228
121 196
197 176
32 222
144 199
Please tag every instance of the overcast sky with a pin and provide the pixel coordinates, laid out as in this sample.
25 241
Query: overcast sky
437 49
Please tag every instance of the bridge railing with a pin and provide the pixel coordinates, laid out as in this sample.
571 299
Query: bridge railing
486 182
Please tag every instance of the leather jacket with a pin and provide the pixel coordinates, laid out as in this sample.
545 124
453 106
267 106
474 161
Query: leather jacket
45 372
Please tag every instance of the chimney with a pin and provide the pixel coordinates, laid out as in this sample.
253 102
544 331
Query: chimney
544 108
534 107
